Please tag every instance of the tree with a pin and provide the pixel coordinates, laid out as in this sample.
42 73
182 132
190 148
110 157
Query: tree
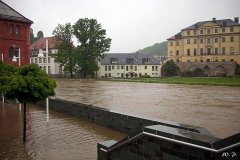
63 35
40 34
29 85
32 39
93 44
170 68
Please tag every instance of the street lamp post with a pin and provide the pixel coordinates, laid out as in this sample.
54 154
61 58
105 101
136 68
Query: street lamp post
41 55
19 63
2 92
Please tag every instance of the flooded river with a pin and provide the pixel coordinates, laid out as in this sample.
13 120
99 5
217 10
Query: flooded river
63 138
216 108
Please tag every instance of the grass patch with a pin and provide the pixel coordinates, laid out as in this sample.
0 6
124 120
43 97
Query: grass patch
215 81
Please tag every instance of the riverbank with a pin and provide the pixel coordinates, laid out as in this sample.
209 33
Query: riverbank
213 81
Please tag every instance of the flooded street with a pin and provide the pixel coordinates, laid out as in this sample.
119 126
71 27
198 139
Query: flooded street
64 137
216 108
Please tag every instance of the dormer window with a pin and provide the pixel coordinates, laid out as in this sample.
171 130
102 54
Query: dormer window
146 60
114 60
130 60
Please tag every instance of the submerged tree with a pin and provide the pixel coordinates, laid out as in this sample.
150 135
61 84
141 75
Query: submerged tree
63 35
93 44
29 85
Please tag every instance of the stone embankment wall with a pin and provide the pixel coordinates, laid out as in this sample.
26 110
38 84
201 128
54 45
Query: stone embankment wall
152 138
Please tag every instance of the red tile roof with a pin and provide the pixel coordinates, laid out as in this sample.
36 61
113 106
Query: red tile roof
41 44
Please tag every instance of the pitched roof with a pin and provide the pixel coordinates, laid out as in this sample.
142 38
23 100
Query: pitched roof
228 23
8 13
122 58
222 22
41 43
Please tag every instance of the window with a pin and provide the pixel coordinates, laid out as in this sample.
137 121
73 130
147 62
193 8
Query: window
156 68
49 69
152 68
126 68
223 39
40 60
114 60
135 67
201 31
188 60
208 60
201 51
188 41
10 29
223 60
208 31
109 68
17 30
188 32
195 51
177 52
231 29
121 74
195 41
177 43
215 30
31 60
223 30
49 60
201 40
146 60
231 39
231 60
208 40
145 67
223 50
188 52
216 60
112 67
105 68
10 52
130 60
122 67
36 60
231 50
195 32
171 43
109 74
216 51
216 40
118 67
131 67
105 74
44 60
208 51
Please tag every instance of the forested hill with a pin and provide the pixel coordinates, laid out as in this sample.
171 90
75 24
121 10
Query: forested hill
156 49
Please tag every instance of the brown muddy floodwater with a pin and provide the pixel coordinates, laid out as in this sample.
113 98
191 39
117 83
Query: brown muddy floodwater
216 108
63 138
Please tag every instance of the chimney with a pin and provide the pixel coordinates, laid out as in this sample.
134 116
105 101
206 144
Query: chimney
214 19
236 19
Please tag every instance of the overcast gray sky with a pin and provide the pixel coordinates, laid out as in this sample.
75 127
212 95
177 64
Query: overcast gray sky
131 24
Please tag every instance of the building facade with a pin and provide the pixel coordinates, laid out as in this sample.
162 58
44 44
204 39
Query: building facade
127 65
14 36
53 67
207 41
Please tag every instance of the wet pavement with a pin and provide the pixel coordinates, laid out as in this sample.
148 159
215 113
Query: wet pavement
64 137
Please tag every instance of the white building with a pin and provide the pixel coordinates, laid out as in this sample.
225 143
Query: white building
129 65
53 67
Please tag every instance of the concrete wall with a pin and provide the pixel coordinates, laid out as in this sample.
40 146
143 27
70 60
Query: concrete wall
130 124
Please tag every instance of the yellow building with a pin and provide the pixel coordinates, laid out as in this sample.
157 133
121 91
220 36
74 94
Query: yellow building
207 41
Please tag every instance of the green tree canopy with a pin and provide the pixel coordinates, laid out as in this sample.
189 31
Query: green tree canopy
63 35
30 84
5 72
93 44
40 34
170 68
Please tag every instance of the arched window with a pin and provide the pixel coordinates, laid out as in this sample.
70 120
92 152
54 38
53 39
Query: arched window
11 52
